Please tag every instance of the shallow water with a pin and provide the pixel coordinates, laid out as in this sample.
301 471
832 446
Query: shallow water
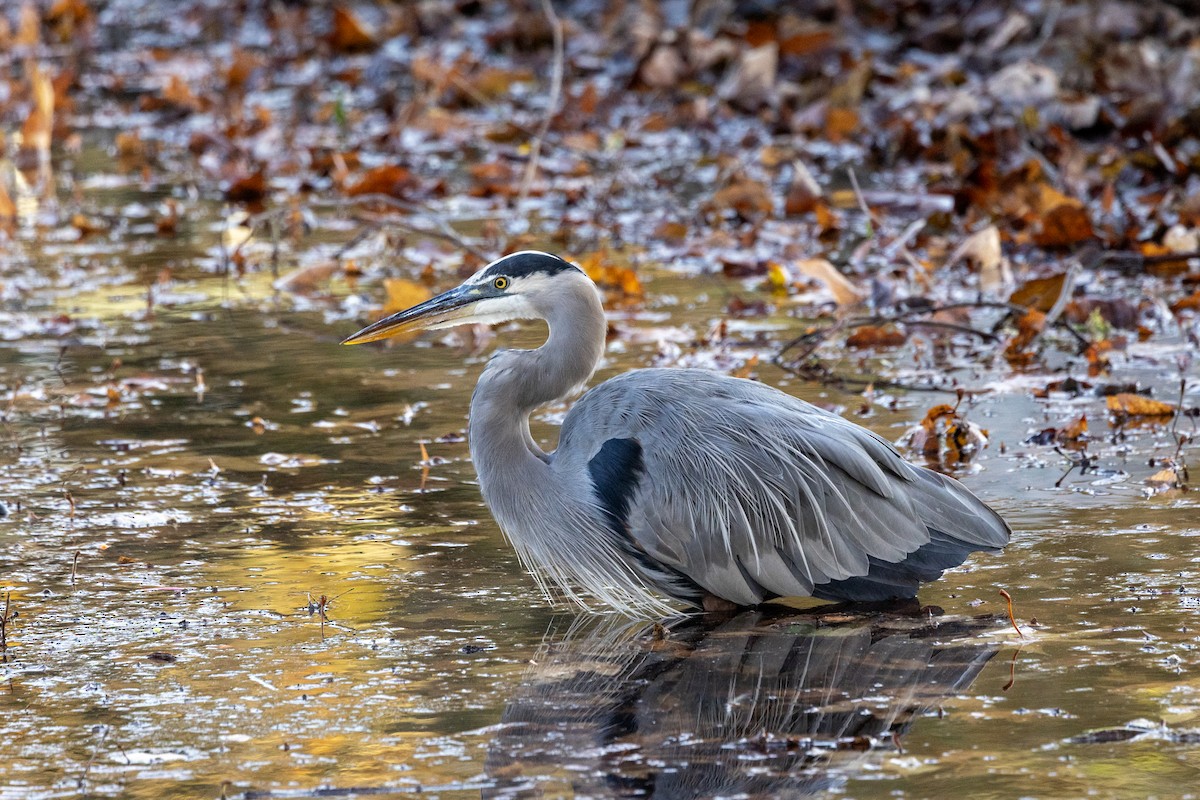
233 573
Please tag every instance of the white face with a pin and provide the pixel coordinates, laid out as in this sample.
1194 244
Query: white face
488 297
503 297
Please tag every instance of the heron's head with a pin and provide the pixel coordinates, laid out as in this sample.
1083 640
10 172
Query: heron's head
512 287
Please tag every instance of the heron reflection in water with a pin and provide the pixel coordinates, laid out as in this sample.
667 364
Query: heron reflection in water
715 492
751 706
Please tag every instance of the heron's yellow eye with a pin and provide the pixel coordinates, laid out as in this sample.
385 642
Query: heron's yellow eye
500 283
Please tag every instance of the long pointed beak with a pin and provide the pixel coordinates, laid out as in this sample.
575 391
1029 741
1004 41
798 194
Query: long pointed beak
435 312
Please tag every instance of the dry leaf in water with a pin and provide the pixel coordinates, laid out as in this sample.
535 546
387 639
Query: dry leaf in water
842 288
981 250
307 280
1134 405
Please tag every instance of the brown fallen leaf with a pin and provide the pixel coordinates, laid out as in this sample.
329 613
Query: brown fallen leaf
662 68
804 193
1135 405
1029 327
179 95
1064 225
248 188
869 336
307 280
394 181
748 198
1039 293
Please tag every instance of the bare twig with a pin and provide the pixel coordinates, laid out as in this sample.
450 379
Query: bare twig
1011 617
862 203
4 620
75 565
556 81
442 231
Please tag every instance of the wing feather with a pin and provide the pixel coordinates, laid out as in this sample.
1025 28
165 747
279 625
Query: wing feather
752 493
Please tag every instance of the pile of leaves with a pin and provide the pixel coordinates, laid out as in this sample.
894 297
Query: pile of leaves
919 184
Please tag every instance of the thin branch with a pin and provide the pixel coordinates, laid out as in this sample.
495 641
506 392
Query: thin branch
556 81
443 230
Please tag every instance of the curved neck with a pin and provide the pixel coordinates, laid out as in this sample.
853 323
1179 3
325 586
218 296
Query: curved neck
515 382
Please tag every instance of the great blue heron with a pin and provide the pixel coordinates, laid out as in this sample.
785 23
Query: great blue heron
714 491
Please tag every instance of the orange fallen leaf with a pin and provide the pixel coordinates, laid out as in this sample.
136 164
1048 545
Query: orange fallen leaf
1189 303
349 35
67 16
86 225
933 415
1134 405
8 209
598 267
840 123
1075 431
402 294
40 122
178 93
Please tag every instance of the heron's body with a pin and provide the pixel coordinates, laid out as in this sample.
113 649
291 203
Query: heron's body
684 482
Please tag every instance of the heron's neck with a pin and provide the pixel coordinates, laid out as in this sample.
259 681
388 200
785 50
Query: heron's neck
515 382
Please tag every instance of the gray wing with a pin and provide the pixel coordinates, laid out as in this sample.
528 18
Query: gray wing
750 493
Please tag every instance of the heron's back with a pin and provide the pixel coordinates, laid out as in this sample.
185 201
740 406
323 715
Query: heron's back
747 493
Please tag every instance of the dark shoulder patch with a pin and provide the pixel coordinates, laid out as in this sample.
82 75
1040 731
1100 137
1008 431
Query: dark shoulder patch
520 265
616 471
